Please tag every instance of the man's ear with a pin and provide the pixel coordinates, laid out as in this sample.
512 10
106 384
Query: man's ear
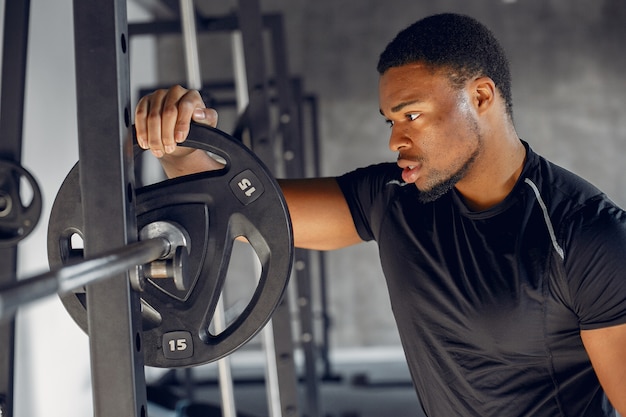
483 92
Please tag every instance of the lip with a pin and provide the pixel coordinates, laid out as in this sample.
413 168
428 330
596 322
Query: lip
410 170
410 175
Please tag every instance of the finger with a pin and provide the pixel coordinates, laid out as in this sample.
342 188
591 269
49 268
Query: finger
205 116
153 122
188 102
141 112
173 112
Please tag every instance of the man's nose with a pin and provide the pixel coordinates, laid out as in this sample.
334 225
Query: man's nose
398 140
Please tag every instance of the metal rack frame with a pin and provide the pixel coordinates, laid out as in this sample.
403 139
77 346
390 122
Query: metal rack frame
15 42
101 34
288 98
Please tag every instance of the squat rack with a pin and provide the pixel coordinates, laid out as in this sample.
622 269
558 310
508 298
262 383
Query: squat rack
105 149
288 97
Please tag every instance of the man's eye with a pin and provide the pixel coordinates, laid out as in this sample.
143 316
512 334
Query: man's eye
412 116
389 123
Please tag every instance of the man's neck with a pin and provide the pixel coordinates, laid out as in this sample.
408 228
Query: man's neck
494 175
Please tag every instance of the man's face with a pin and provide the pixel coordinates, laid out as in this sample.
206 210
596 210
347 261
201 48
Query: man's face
433 127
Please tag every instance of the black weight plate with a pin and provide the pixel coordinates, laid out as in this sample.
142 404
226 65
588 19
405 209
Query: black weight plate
215 207
17 217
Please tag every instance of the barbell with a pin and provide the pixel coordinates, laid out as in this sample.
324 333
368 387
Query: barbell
199 216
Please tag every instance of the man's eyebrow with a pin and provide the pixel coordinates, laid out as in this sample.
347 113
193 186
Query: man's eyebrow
400 106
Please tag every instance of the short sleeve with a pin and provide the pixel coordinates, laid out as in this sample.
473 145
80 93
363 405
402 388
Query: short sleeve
595 262
365 190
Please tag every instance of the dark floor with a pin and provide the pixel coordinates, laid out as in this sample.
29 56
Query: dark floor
363 383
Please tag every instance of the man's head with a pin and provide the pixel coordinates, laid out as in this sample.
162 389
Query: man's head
456 44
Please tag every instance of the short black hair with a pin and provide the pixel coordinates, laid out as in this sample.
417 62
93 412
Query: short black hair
458 43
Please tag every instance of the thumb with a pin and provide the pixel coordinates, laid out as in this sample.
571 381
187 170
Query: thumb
205 116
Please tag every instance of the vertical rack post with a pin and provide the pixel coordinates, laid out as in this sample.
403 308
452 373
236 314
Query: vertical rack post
194 80
258 112
295 167
107 186
15 45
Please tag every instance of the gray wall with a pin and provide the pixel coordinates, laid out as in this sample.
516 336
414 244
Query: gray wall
569 91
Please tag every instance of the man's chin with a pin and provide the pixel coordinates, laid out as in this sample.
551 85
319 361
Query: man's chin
435 192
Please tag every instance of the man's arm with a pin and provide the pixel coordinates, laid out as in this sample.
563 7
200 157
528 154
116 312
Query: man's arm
319 213
606 348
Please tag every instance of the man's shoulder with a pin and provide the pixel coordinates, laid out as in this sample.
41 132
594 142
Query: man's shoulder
558 185
374 176
388 168
570 200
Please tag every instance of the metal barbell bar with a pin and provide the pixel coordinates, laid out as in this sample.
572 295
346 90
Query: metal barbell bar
160 245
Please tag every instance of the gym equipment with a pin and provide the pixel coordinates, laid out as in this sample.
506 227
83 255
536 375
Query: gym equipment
194 80
13 82
285 96
212 209
87 271
109 220
17 217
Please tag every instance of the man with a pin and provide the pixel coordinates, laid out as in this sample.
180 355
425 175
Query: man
505 272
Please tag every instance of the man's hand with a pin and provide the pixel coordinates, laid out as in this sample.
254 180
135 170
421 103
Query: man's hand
162 121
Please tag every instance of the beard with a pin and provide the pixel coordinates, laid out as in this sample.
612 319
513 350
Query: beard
443 186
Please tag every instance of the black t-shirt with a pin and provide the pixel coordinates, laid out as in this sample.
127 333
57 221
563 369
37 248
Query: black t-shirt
489 305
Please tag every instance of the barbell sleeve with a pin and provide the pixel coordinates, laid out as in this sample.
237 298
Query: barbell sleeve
72 276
